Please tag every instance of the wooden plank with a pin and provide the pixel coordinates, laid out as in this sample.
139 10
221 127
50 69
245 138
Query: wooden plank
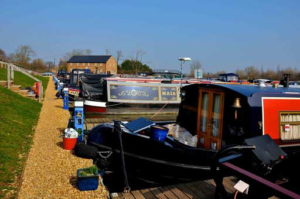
178 192
200 189
148 194
197 193
167 192
228 183
207 189
137 194
127 196
157 193
189 193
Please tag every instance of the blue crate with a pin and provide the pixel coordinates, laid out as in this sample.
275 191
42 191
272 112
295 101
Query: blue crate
85 183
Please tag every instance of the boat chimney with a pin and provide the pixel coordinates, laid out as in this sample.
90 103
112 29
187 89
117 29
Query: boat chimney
285 81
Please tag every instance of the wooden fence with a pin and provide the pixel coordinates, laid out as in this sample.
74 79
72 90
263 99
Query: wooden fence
10 76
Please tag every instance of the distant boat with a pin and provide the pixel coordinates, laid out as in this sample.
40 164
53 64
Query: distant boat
94 106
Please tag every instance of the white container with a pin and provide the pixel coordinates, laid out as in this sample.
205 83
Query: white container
70 133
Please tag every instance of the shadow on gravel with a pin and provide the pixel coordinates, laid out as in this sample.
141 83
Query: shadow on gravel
73 181
60 144
58 106
60 129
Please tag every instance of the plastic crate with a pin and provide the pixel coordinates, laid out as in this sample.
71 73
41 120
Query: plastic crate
85 183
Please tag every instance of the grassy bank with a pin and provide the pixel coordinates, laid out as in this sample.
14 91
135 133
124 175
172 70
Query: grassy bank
23 80
18 116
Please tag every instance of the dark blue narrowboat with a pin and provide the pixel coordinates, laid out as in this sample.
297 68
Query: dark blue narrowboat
211 117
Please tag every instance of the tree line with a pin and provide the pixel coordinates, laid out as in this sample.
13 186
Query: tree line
253 72
23 56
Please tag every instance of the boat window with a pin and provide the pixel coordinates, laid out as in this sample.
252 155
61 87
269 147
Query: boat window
216 115
290 125
204 111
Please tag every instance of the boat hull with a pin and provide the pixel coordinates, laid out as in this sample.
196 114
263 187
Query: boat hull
94 106
149 162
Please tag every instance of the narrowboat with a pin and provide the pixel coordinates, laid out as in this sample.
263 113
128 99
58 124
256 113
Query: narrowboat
119 93
211 117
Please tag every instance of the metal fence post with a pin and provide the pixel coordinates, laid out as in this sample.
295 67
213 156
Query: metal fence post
8 67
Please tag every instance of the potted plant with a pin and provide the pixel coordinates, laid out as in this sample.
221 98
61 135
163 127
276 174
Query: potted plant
88 178
80 135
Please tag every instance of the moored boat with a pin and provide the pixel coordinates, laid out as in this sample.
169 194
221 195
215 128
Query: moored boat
94 106
218 116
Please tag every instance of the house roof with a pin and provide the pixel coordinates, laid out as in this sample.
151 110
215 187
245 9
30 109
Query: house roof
89 59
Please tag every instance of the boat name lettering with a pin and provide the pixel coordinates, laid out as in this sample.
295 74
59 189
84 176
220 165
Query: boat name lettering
170 93
133 93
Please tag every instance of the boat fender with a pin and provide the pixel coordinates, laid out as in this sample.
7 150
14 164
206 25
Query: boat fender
86 151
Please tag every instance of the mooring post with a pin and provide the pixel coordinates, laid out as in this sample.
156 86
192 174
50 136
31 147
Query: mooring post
66 98
79 119
60 86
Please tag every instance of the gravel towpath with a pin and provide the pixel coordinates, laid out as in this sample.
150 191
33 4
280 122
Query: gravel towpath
50 171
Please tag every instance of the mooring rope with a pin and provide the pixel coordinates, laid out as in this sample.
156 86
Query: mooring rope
159 111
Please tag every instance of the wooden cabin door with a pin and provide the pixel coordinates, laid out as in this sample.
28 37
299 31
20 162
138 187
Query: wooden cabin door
210 118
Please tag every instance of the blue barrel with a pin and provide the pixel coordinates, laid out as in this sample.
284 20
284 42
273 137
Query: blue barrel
159 133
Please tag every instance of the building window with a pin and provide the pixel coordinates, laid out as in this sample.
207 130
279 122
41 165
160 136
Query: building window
289 125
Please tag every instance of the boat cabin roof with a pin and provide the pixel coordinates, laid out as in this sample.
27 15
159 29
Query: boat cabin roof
253 93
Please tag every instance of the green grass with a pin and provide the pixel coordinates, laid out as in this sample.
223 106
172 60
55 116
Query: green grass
3 75
23 80
18 116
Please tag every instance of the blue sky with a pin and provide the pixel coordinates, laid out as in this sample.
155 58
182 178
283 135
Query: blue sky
221 34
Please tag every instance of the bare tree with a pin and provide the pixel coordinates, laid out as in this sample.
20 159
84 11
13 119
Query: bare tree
195 65
23 55
3 56
241 73
252 72
138 58
50 65
62 64
107 51
271 74
119 56
38 65
139 55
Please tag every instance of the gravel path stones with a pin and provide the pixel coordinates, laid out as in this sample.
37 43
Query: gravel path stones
50 171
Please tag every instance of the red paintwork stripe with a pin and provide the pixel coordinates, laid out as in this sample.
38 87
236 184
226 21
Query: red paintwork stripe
93 109
262 181
154 80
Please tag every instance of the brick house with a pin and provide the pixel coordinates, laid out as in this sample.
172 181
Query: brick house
96 63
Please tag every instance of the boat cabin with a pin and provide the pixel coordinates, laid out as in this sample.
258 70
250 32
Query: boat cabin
228 77
223 114
75 76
